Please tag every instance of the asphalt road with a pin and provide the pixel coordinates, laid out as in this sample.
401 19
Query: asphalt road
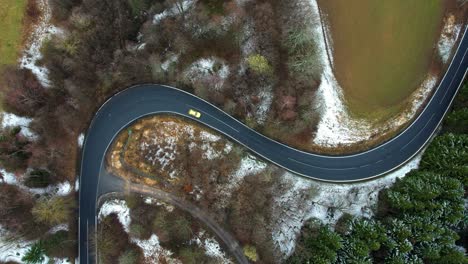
139 101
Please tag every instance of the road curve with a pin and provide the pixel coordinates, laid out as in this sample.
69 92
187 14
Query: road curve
143 100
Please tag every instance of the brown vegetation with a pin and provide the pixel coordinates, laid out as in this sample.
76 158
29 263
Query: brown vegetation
15 212
113 242
245 208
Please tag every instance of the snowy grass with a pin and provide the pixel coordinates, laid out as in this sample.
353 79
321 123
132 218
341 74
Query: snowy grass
211 247
162 146
261 110
173 58
211 72
448 38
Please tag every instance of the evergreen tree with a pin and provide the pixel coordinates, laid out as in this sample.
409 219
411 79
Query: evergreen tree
35 254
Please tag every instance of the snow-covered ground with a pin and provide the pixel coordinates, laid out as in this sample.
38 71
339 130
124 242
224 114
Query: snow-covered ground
265 96
13 249
118 207
12 120
336 126
211 247
41 32
306 199
177 9
448 38
61 189
80 140
172 59
162 146
211 72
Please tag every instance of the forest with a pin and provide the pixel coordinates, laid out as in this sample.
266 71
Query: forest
422 218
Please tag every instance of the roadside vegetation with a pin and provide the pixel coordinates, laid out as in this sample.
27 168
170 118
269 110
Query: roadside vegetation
420 219
157 232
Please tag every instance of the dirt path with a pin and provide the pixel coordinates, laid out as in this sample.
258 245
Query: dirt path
196 212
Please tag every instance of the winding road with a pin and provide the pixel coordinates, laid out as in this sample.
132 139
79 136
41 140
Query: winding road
126 107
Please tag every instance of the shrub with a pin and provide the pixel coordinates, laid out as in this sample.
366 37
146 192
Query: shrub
181 229
52 211
251 253
317 244
137 230
259 64
61 9
112 240
445 153
35 254
457 121
59 244
14 149
15 212
214 7
303 54
138 6
193 255
128 257
364 238
38 178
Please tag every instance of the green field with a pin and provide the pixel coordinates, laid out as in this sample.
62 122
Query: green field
11 23
382 50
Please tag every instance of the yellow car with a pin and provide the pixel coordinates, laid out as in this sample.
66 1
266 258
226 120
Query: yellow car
194 113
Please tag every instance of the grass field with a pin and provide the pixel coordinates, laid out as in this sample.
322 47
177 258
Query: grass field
382 50
11 23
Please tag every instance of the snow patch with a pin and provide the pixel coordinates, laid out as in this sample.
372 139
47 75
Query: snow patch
61 189
64 189
8 177
61 227
211 247
248 165
42 32
265 96
118 207
11 248
210 72
448 38
12 120
80 140
173 11
152 250
172 59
